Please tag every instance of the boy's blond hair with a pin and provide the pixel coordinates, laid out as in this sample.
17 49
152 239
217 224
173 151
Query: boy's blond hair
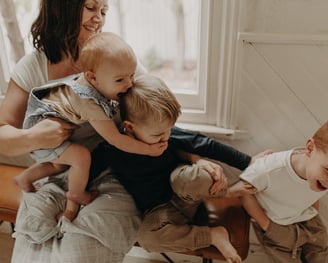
320 137
105 46
148 101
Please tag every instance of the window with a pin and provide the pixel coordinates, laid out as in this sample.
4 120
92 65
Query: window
203 33
192 45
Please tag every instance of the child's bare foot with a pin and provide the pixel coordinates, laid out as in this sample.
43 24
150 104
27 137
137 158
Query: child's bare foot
23 183
220 239
240 188
84 198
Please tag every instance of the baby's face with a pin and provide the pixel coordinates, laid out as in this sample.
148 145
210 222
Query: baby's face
317 170
153 132
115 80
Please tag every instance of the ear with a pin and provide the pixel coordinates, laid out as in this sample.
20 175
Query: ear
91 78
128 126
309 147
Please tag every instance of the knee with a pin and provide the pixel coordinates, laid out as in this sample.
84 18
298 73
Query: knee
191 181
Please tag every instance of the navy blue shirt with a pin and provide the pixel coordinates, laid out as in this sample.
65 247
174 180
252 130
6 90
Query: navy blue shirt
147 178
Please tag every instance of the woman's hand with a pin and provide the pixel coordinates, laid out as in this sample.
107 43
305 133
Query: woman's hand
50 133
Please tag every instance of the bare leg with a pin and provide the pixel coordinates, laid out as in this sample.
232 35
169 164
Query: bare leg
79 159
35 172
220 239
240 188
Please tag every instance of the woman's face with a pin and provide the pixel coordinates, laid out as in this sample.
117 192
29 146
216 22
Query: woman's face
93 18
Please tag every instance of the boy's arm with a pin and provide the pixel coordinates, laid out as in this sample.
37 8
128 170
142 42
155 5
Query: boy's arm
202 145
108 130
255 211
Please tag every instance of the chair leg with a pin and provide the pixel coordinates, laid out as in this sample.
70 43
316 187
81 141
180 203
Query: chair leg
167 258
207 260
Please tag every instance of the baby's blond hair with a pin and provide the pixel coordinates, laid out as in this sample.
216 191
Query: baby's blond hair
103 46
149 101
320 137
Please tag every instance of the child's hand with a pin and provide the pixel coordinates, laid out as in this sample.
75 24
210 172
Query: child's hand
157 149
217 174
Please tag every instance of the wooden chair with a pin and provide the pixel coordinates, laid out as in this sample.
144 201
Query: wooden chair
213 212
10 195
227 212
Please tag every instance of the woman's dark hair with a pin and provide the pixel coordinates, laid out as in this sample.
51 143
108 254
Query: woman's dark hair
56 29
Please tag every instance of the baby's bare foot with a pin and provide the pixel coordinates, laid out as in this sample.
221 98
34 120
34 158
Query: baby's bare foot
220 239
83 199
240 188
24 184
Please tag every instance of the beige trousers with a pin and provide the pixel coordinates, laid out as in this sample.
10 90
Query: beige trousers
169 227
304 242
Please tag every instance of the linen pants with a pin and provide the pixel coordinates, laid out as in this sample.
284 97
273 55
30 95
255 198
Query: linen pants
303 242
168 227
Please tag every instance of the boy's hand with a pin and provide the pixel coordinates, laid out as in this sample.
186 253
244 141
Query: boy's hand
157 149
217 174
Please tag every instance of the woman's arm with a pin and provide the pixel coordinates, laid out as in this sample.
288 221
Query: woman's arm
16 141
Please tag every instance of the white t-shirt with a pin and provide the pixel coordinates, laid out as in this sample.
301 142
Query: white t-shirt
285 197
31 71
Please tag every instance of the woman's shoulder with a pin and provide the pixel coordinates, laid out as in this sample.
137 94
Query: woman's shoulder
31 71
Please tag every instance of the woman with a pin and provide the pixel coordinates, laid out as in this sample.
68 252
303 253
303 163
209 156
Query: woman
105 230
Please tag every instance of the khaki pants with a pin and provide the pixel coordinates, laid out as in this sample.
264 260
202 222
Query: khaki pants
168 227
304 242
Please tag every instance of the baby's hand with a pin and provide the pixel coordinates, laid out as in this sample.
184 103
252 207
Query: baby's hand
157 149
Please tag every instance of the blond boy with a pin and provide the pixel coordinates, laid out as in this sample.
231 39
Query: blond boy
149 111
285 208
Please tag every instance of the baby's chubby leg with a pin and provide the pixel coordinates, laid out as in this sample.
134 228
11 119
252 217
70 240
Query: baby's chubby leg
35 172
79 159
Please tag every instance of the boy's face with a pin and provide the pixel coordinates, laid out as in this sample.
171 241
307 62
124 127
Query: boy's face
316 167
150 133
112 81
